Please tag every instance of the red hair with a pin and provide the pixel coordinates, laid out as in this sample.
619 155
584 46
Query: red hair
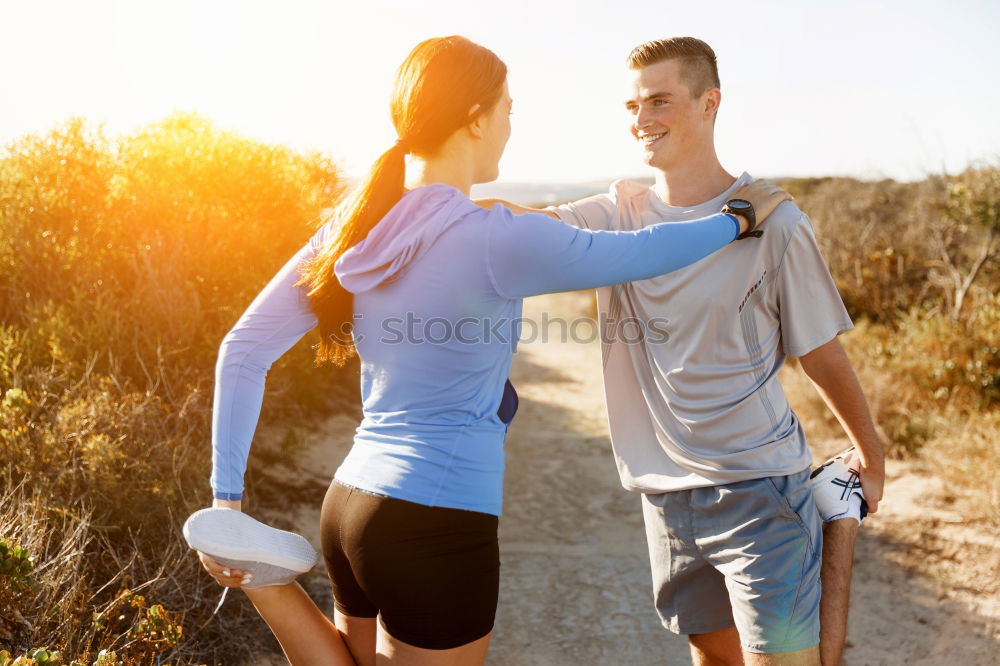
436 86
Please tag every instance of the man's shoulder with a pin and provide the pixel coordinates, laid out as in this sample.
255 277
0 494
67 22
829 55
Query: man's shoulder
594 212
788 218
623 190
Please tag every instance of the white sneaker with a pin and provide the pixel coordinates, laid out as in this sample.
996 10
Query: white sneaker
234 539
837 490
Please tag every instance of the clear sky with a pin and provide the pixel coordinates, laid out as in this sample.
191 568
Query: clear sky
862 88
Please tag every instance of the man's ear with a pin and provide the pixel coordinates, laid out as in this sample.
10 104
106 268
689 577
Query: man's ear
711 99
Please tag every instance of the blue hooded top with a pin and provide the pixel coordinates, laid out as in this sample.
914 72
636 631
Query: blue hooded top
438 285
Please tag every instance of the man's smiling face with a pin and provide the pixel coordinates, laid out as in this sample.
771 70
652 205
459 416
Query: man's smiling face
669 123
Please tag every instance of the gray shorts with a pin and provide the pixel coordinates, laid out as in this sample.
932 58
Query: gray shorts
745 553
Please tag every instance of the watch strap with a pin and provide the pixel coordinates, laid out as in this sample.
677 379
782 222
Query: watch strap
753 231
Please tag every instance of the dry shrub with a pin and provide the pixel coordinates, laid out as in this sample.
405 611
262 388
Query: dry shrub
925 367
150 245
920 376
893 247
866 230
122 264
917 265
957 441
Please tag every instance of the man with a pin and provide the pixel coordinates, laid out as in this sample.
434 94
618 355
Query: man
699 423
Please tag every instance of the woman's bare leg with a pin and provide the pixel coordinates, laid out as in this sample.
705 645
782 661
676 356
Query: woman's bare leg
307 636
396 652
359 634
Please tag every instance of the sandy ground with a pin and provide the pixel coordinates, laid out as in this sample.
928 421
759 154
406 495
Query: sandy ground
575 573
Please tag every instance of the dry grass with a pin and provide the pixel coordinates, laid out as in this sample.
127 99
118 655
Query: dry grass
918 265
931 385
122 264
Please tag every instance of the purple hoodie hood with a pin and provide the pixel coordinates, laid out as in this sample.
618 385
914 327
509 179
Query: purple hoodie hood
402 236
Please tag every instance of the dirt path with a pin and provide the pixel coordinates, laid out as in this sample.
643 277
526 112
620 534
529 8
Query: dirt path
575 574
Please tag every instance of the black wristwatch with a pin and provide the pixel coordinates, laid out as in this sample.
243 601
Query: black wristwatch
744 208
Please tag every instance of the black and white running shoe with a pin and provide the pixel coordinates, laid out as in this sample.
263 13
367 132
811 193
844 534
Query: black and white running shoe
836 487
234 539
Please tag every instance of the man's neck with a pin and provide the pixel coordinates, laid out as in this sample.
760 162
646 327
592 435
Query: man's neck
692 183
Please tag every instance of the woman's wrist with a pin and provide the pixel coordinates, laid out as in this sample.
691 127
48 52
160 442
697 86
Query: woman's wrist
742 222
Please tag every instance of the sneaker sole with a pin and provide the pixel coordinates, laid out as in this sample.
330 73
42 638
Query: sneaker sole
233 535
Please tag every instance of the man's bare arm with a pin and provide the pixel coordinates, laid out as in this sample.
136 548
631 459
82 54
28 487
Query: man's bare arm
514 208
830 370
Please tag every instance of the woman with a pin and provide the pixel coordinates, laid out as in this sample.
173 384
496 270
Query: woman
433 286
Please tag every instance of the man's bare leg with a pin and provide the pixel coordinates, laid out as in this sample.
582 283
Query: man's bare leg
719 648
807 657
835 574
722 648
838 562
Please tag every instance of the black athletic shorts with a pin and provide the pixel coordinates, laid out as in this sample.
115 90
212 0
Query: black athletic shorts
431 574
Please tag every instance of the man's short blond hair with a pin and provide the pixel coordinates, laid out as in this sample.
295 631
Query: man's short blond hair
699 69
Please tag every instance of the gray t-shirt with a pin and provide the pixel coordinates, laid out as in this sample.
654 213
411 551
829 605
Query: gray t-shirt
691 358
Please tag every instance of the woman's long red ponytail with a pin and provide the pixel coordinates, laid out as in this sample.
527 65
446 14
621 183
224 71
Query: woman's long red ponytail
436 86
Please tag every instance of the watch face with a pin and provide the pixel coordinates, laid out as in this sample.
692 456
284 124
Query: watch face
739 204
